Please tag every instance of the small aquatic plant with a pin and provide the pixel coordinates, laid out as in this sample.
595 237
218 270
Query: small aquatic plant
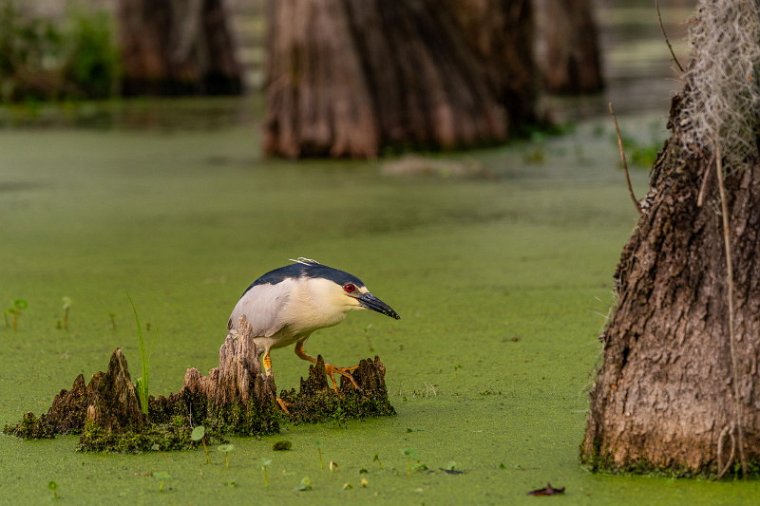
199 435
162 477
63 323
53 487
142 383
321 456
13 313
226 449
412 461
265 463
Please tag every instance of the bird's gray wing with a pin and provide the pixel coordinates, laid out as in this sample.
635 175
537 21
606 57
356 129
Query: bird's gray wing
262 305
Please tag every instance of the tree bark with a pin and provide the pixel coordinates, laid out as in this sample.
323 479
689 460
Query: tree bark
664 396
568 46
108 400
502 35
347 78
177 47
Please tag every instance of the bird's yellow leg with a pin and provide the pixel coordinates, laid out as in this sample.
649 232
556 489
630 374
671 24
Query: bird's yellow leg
330 369
267 361
302 353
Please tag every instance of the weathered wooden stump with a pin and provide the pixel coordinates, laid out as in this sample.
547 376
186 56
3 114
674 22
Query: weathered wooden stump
317 401
109 401
234 398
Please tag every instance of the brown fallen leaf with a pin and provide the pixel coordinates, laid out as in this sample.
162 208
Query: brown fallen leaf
547 490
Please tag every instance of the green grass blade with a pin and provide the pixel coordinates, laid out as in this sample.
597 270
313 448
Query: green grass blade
143 380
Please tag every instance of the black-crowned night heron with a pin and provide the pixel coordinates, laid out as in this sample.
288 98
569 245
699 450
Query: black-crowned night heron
287 305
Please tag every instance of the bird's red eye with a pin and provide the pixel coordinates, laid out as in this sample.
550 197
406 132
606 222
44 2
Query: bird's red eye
349 287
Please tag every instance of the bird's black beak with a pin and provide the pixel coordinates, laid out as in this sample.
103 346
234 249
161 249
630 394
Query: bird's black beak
371 302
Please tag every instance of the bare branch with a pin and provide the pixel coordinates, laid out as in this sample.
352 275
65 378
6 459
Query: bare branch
667 41
705 180
625 163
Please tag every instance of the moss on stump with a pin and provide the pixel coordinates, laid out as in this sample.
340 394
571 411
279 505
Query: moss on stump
234 398
316 401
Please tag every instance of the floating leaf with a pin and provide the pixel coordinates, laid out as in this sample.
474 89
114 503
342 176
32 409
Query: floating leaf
225 448
304 485
547 490
410 452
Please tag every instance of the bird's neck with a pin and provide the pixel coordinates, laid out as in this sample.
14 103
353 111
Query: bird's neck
318 304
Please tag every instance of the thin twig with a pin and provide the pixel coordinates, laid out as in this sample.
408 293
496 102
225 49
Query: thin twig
667 41
625 164
730 300
703 187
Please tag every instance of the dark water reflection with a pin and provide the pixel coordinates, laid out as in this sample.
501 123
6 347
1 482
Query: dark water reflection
138 114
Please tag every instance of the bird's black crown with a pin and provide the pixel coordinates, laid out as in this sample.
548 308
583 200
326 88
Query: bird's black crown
309 269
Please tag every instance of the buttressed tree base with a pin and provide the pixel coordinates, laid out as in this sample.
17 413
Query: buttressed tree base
676 392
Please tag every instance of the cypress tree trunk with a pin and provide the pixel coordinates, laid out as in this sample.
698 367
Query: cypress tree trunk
568 46
347 78
502 35
664 396
677 391
177 47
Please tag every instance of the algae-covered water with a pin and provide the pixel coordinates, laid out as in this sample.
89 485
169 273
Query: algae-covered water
503 283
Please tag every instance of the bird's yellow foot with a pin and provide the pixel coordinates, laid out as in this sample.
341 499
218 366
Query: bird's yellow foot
330 370
283 406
